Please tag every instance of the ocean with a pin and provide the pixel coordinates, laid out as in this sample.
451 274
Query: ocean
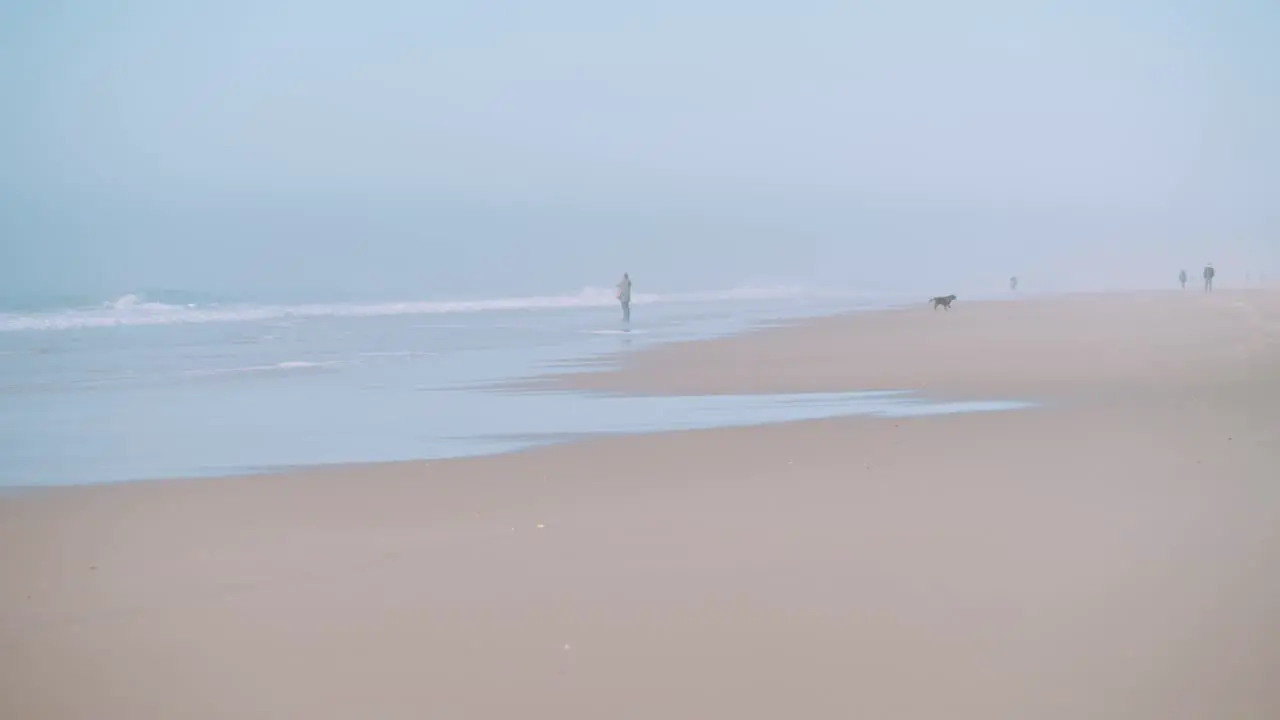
139 388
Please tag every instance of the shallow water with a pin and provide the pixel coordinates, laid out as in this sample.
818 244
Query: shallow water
573 416
111 403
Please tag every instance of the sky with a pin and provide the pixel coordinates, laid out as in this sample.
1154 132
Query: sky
277 150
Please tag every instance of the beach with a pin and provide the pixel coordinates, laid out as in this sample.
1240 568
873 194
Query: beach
1108 553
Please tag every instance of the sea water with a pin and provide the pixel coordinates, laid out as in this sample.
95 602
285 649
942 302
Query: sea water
136 389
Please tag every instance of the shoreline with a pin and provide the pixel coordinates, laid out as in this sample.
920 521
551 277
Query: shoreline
1107 555
650 373
769 409
655 372
211 400
601 412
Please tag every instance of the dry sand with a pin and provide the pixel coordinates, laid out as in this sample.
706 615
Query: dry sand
1113 554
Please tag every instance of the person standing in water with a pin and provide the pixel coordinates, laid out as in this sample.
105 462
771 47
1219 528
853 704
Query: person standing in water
1208 277
624 296
1182 278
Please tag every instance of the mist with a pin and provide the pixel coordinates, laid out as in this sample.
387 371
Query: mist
288 150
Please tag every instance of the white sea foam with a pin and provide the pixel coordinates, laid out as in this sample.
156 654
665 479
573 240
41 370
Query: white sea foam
288 365
134 310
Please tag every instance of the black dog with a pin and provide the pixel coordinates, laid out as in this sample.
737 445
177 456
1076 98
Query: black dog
943 300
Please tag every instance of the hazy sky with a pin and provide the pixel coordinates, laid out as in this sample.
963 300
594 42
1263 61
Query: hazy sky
427 149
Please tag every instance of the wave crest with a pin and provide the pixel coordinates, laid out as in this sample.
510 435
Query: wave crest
134 310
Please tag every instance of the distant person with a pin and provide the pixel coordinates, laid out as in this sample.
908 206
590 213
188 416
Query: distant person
1013 283
624 296
1208 277
1182 278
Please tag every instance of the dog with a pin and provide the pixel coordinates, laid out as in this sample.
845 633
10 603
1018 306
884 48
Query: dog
943 300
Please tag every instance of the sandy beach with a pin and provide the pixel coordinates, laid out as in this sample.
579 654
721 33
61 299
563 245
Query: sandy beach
1111 553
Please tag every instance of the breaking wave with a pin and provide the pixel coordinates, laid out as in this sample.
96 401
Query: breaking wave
136 310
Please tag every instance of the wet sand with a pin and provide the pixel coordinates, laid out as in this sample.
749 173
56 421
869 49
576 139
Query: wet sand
1041 348
1110 554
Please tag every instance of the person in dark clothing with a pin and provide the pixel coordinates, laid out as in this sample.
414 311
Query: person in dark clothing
1208 277
1182 278
624 296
